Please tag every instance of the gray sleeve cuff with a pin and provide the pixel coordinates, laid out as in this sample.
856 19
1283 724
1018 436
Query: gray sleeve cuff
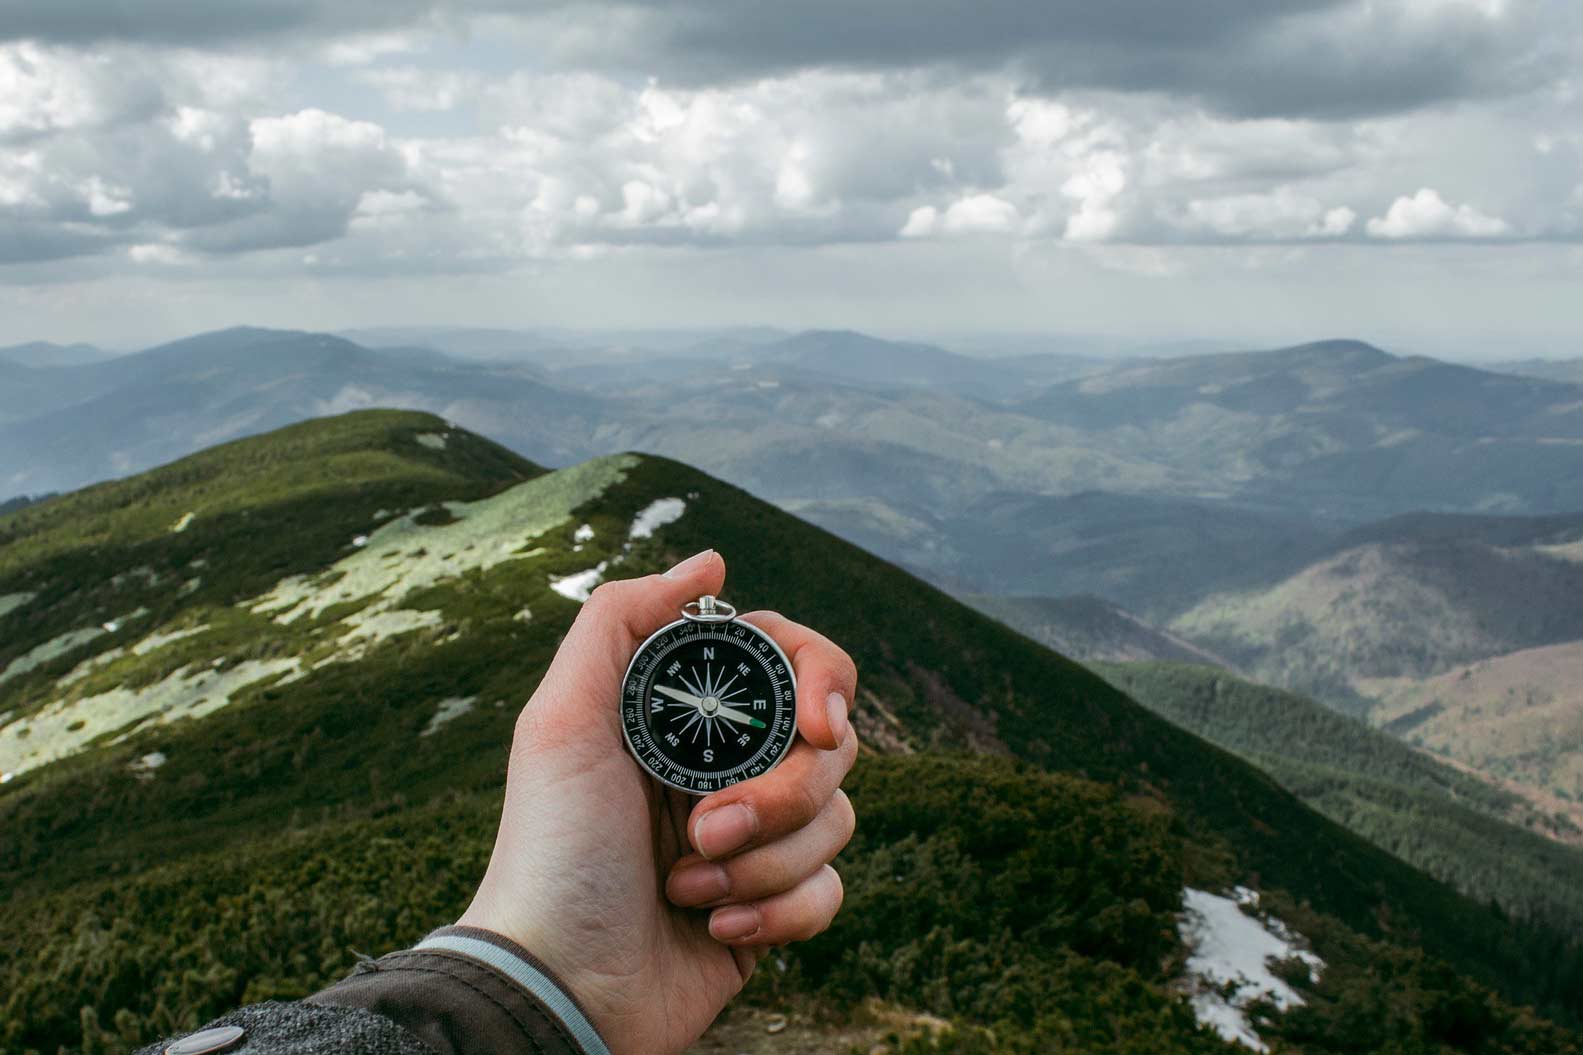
467 991
523 968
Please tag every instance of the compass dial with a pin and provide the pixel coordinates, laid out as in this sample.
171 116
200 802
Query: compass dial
705 705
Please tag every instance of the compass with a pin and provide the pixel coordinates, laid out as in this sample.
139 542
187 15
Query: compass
709 700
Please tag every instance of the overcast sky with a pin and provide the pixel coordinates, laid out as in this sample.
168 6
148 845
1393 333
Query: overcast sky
1407 170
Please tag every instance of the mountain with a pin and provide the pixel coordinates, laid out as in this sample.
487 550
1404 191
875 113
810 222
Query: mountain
1461 634
43 353
1516 716
1152 484
1409 598
1340 428
1089 628
857 358
241 679
1569 370
138 410
1447 822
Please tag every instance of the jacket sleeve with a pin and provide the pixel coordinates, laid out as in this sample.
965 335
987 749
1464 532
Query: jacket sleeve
460 991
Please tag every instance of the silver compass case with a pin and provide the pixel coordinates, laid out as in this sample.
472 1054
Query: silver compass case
708 700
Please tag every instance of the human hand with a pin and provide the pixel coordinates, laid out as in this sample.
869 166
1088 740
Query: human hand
603 873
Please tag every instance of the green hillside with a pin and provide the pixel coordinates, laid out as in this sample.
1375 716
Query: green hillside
1448 823
326 659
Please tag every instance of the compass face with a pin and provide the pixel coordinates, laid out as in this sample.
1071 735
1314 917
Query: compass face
705 705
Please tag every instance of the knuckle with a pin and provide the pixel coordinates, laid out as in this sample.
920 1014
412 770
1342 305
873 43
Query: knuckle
605 596
846 817
802 805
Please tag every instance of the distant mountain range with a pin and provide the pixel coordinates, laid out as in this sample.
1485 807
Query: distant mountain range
43 353
1266 507
240 679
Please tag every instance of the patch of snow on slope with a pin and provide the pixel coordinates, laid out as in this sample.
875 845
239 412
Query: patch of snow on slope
449 711
578 586
432 440
1230 950
160 640
66 727
582 534
656 515
182 523
143 768
54 648
403 555
10 602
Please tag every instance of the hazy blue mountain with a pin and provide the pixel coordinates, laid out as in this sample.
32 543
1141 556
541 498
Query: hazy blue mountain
155 405
44 353
1341 428
1570 370
1091 629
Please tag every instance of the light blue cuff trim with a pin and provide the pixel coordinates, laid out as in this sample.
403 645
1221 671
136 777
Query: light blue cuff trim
528 977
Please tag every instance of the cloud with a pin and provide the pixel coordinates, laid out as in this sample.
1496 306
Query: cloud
1277 57
1426 215
1280 214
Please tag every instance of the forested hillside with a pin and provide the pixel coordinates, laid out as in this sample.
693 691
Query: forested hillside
256 706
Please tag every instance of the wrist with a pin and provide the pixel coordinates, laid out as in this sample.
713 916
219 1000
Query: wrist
507 957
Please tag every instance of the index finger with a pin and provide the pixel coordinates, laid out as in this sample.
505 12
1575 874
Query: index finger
826 678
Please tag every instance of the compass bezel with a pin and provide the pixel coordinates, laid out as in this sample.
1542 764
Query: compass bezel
779 741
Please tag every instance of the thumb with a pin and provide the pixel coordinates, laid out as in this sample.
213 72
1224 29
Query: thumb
585 678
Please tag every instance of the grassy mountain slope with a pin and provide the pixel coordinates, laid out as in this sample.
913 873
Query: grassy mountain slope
341 618
1398 604
1518 716
1446 822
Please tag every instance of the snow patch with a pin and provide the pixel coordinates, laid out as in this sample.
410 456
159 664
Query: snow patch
432 440
6 778
159 640
54 648
656 515
449 711
10 602
579 586
143 768
583 534
1231 952
403 555
66 727
182 523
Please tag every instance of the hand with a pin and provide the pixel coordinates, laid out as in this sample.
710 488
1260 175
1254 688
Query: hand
653 907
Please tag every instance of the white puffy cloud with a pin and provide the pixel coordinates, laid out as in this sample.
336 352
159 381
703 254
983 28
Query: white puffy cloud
1280 214
1427 215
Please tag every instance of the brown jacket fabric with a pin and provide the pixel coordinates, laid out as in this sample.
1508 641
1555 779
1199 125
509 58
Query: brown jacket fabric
461 991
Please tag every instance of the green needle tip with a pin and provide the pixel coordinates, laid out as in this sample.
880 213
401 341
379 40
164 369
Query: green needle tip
755 723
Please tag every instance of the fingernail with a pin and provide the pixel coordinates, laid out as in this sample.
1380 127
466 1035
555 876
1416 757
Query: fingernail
698 885
724 829
690 565
734 923
835 709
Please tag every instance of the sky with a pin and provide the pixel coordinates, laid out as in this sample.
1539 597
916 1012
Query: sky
1409 171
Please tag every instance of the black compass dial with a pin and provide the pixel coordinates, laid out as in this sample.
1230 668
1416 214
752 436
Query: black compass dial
708 704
